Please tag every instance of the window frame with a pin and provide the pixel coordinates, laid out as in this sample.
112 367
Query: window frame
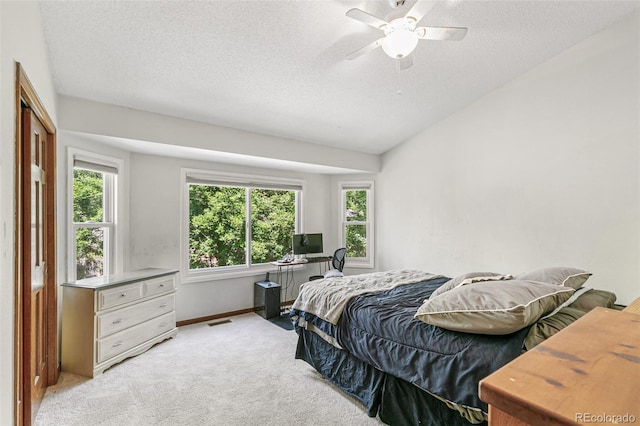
249 181
112 202
351 185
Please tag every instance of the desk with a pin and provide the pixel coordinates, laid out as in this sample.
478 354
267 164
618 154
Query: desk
585 372
288 267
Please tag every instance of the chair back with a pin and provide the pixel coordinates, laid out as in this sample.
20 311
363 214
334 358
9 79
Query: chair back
338 258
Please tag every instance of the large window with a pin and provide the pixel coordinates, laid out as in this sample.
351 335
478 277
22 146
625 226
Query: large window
356 222
238 222
92 232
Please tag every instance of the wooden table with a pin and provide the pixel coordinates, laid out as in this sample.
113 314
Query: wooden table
587 373
633 306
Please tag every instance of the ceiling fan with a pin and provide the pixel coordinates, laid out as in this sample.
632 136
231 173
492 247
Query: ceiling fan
401 35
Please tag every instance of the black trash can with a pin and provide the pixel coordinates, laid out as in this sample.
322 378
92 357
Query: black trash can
266 299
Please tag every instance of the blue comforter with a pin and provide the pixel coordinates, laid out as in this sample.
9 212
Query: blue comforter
381 330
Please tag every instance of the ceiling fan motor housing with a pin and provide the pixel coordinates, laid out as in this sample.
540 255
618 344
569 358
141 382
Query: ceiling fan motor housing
402 24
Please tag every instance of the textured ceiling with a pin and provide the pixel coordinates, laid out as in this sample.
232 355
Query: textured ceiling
278 67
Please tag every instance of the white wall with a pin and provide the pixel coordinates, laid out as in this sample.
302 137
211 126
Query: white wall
21 40
90 117
155 230
541 172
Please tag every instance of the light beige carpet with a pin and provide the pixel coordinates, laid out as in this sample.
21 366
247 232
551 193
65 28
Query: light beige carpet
238 373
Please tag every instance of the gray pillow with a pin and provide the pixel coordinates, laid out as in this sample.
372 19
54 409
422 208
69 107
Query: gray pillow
558 275
594 298
493 307
471 277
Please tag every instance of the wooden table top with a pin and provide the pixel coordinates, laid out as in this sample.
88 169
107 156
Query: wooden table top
633 306
587 372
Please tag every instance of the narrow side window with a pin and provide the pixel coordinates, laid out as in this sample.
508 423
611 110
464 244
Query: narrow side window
93 221
356 223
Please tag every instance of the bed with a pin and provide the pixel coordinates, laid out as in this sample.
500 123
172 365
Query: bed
373 337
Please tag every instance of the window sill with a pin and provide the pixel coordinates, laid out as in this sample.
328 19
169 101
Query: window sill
359 265
254 271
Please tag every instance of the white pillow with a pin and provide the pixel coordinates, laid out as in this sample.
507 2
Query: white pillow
468 278
558 275
333 273
493 307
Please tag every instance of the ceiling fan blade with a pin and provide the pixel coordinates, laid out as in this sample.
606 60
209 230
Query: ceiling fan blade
364 50
421 8
441 33
362 16
404 63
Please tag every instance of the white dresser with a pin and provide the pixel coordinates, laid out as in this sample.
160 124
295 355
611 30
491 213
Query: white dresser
108 319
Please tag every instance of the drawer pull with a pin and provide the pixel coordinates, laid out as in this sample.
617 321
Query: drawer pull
118 321
161 285
117 344
123 295
164 305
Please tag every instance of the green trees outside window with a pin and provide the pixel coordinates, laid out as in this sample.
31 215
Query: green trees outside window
88 213
218 225
273 222
356 223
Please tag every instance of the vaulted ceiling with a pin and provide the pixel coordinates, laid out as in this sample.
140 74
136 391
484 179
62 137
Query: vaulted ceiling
278 67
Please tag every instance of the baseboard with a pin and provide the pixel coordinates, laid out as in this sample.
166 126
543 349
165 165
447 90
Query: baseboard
223 315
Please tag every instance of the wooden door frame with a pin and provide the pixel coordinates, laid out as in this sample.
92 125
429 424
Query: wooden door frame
26 95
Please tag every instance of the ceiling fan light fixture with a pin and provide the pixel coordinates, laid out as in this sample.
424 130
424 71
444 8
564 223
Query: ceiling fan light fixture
401 35
400 43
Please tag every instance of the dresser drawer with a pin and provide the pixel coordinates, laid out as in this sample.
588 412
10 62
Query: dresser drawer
119 295
159 285
131 337
115 321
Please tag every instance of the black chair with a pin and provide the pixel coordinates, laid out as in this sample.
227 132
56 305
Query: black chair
337 262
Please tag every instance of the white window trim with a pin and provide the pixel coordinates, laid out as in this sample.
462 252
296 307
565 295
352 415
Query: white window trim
360 262
115 257
232 179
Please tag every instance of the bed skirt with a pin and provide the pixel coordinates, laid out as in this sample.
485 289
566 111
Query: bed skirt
393 400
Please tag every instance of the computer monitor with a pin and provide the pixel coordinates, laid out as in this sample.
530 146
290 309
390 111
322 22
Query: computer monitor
306 243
